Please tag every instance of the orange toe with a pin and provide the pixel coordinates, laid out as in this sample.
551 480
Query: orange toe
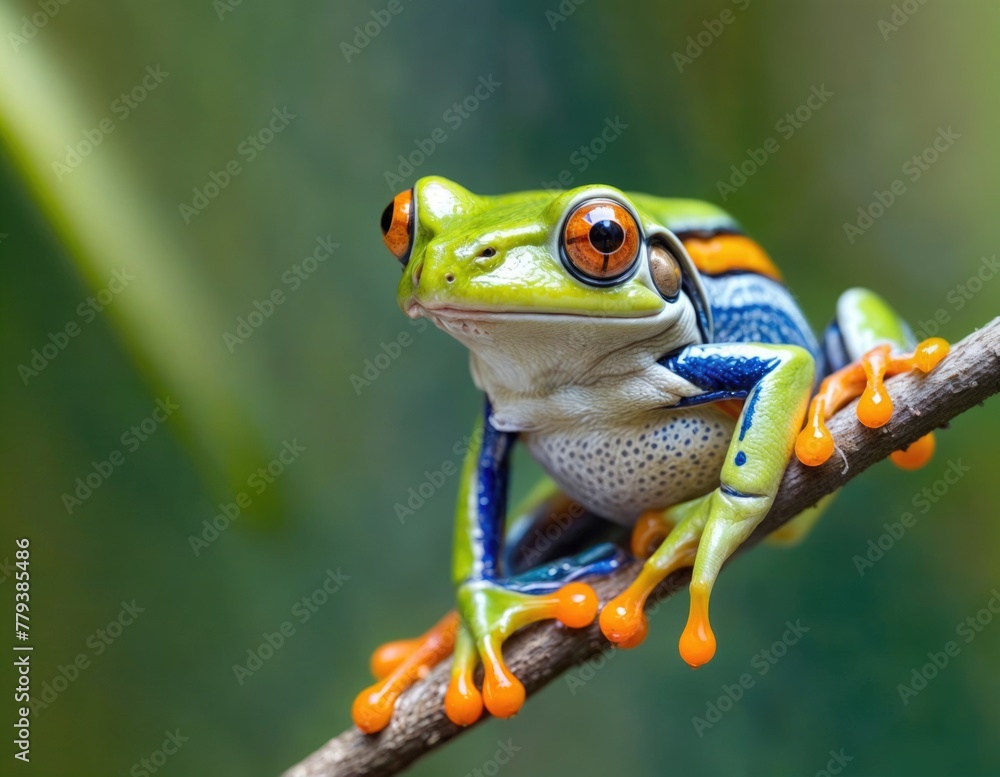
463 703
623 617
576 605
390 655
916 455
875 406
503 694
697 643
929 353
638 637
373 707
814 445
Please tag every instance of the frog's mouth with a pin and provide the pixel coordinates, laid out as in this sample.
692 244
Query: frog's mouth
453 314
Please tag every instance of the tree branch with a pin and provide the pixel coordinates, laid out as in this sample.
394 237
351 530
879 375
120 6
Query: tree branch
537 655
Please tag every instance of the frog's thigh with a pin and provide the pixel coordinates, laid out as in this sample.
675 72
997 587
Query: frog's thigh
547 524
864 320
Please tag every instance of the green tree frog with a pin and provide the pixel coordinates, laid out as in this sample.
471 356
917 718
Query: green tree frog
648 355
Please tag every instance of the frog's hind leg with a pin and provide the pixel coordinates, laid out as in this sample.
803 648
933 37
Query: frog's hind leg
866 343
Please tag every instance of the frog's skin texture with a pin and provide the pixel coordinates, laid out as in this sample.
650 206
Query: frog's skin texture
648 355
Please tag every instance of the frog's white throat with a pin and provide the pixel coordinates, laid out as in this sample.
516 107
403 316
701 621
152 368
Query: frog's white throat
550 371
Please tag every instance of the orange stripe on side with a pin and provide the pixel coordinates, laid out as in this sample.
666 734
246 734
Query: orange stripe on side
725 253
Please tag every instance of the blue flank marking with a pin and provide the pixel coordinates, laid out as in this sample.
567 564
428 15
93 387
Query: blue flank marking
748 413
716 369
491 493
750 308
741 459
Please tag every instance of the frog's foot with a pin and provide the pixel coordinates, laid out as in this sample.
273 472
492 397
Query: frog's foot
397 665
865 378
623 619
491 613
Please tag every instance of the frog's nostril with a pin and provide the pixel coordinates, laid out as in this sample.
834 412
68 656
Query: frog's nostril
450 277
416 273
488 252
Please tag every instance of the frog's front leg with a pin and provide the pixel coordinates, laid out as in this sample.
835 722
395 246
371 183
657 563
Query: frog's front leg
493 607
776 381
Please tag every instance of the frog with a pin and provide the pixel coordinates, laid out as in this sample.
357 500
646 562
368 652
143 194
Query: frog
648 354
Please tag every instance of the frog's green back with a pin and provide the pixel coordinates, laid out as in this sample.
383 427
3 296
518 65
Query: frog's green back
682 216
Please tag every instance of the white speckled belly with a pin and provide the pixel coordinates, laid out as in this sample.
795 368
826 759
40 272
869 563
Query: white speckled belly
620 471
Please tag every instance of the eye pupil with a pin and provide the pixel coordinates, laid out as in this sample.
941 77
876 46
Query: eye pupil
607 236
387 217
600 241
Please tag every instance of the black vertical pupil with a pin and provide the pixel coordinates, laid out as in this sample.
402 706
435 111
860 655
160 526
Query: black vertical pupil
387 217
607 236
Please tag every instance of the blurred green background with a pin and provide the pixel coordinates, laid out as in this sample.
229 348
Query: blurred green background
224 68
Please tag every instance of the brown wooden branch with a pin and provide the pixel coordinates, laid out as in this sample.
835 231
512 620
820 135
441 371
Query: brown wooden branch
537 655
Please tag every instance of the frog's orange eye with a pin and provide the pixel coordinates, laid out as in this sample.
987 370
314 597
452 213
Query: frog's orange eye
601 241
397 225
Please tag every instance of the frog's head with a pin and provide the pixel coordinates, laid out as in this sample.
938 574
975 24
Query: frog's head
580 270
